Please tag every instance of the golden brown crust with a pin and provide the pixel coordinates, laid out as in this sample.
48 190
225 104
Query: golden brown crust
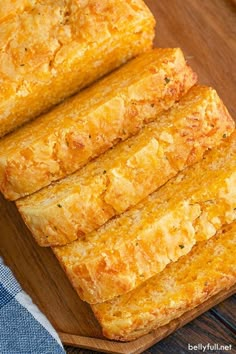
43 43
128 173
86 125
209 268
165 226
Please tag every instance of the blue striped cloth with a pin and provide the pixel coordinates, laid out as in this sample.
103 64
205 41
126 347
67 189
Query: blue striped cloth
23 328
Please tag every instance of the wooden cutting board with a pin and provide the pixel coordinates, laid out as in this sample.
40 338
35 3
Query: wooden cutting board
206 31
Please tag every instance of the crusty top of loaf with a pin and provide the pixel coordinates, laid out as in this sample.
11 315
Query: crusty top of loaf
180 188
37 37
197 99
77 107
207 269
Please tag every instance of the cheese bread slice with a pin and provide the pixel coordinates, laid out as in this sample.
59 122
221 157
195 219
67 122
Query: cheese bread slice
209 268
126 174
86 125
140 243
51 49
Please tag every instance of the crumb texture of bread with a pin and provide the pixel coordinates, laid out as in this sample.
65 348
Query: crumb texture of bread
84 126
126 174
51 49
208 269
138 244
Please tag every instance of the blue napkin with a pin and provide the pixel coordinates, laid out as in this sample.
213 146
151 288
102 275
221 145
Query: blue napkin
23 328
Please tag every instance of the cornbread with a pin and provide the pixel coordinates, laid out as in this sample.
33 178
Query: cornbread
129 172
133 247
51 49
86 125
209 268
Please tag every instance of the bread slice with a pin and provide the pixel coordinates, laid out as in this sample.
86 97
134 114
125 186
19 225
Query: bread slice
129 172
141 242
209 268
86 125
51 49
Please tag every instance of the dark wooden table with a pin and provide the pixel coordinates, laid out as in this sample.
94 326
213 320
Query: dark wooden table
206 31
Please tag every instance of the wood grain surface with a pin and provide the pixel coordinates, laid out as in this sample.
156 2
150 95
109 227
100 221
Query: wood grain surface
225 312
206 31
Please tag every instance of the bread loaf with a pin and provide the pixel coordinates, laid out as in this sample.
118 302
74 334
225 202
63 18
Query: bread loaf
140 243
129 172
209 268
52 49
86 125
